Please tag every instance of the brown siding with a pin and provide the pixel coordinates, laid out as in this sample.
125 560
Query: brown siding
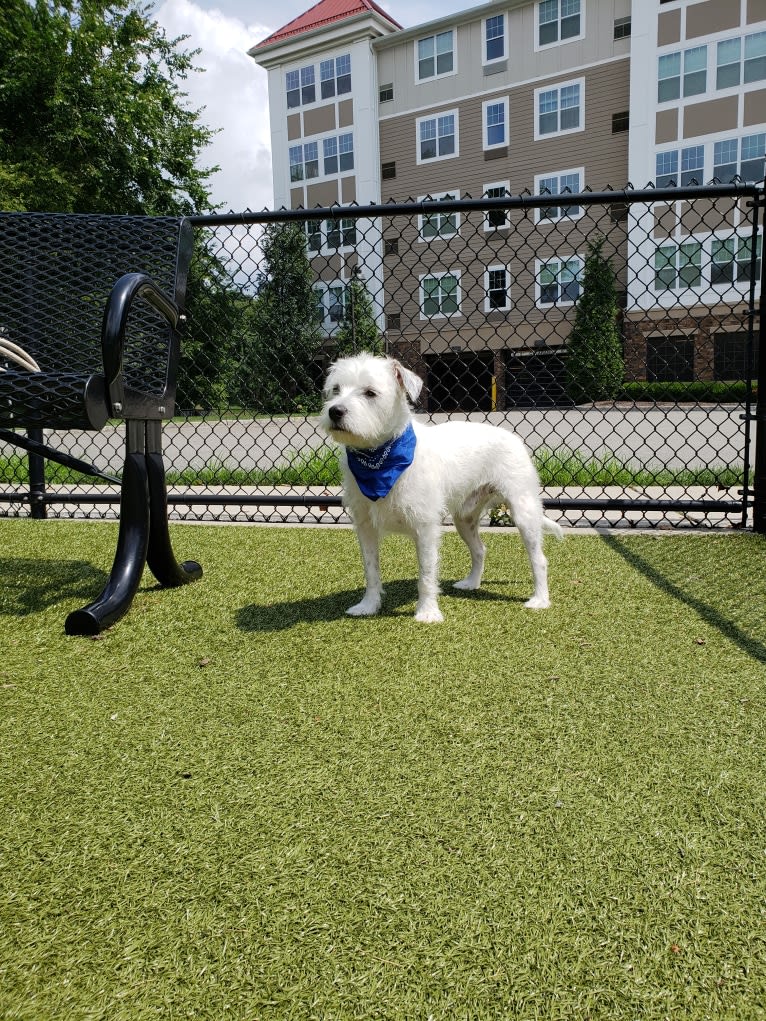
709 17
666 129
755 107
345 113
317 121
669 28
756 11
293 127
714 115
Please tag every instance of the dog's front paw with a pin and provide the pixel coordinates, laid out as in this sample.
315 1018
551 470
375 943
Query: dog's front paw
367 608
428 614
538 603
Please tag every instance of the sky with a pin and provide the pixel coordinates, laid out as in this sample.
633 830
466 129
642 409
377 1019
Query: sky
233 88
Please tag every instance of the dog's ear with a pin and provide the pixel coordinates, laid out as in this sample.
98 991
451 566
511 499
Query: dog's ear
407 380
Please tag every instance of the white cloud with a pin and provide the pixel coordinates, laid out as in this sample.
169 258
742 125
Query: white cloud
233 91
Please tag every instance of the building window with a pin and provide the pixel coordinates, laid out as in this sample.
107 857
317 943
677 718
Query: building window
314 236
669 359
386 93
732 261
751 167
570 181
304 161
732 70
678 267
755 58
300 87
335 76
495 120
666 169
331 299
494 38
731 356
558 281
496 217
692 165
435 56
437 137
559 110
672 84
330 235
497 289
558 21
622 28
438 224
440 295
730 157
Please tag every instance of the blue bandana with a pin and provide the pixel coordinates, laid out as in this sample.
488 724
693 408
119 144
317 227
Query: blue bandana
377 471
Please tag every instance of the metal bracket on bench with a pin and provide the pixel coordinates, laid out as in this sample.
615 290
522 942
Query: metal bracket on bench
35 447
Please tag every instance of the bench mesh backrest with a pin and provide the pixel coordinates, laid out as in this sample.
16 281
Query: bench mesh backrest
56 272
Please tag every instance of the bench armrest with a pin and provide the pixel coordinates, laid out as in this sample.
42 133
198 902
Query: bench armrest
118 306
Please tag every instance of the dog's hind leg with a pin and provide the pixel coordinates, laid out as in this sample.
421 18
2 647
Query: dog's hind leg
369 544
427 544
468 530
528 518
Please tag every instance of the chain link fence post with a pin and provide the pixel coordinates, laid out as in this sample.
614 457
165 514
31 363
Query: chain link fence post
759 476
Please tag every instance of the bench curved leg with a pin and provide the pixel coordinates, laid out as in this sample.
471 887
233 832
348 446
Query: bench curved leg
130 556
161 559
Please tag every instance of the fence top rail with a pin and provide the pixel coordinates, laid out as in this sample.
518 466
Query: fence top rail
627 195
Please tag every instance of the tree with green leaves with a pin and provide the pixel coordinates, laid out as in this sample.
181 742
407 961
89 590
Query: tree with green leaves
92 112
279 366
358 330
595 363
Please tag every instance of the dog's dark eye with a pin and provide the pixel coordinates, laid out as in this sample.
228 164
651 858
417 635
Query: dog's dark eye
335 390
370 393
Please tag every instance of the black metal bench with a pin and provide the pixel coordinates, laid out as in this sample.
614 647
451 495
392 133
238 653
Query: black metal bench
96 301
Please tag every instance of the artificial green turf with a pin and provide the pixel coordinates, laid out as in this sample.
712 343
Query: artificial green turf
240 803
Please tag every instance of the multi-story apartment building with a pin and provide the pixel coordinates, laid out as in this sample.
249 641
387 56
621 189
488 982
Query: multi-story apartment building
542 96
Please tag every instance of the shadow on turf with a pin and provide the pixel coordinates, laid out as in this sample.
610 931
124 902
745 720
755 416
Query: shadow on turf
398 594
711 614
31 585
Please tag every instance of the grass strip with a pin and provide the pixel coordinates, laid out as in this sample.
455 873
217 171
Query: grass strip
320 467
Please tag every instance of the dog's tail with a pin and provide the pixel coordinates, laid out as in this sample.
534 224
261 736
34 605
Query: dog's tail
549 525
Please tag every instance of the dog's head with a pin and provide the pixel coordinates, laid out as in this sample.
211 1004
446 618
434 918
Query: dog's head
367 400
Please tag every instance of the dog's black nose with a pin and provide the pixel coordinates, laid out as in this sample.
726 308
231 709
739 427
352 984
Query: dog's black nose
336 413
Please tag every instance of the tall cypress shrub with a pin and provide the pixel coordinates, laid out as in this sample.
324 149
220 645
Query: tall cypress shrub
595 363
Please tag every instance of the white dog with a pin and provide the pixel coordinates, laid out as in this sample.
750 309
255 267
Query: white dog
401 476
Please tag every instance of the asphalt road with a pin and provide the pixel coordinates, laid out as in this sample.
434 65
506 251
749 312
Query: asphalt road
657 435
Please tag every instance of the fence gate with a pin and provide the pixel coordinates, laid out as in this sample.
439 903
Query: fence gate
617 332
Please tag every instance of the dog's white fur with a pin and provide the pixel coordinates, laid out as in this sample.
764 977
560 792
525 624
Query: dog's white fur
459 468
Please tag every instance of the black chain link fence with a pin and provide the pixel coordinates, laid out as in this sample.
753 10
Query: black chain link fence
616 332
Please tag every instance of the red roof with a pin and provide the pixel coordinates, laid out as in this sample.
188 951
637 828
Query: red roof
324 13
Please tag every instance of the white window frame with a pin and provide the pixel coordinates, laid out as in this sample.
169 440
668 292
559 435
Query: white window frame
442 218
488 61
323 288
440 275
559 174
538 46
507 304
560 260
496 185
435 117
558 87
437 74
678 267
498 101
